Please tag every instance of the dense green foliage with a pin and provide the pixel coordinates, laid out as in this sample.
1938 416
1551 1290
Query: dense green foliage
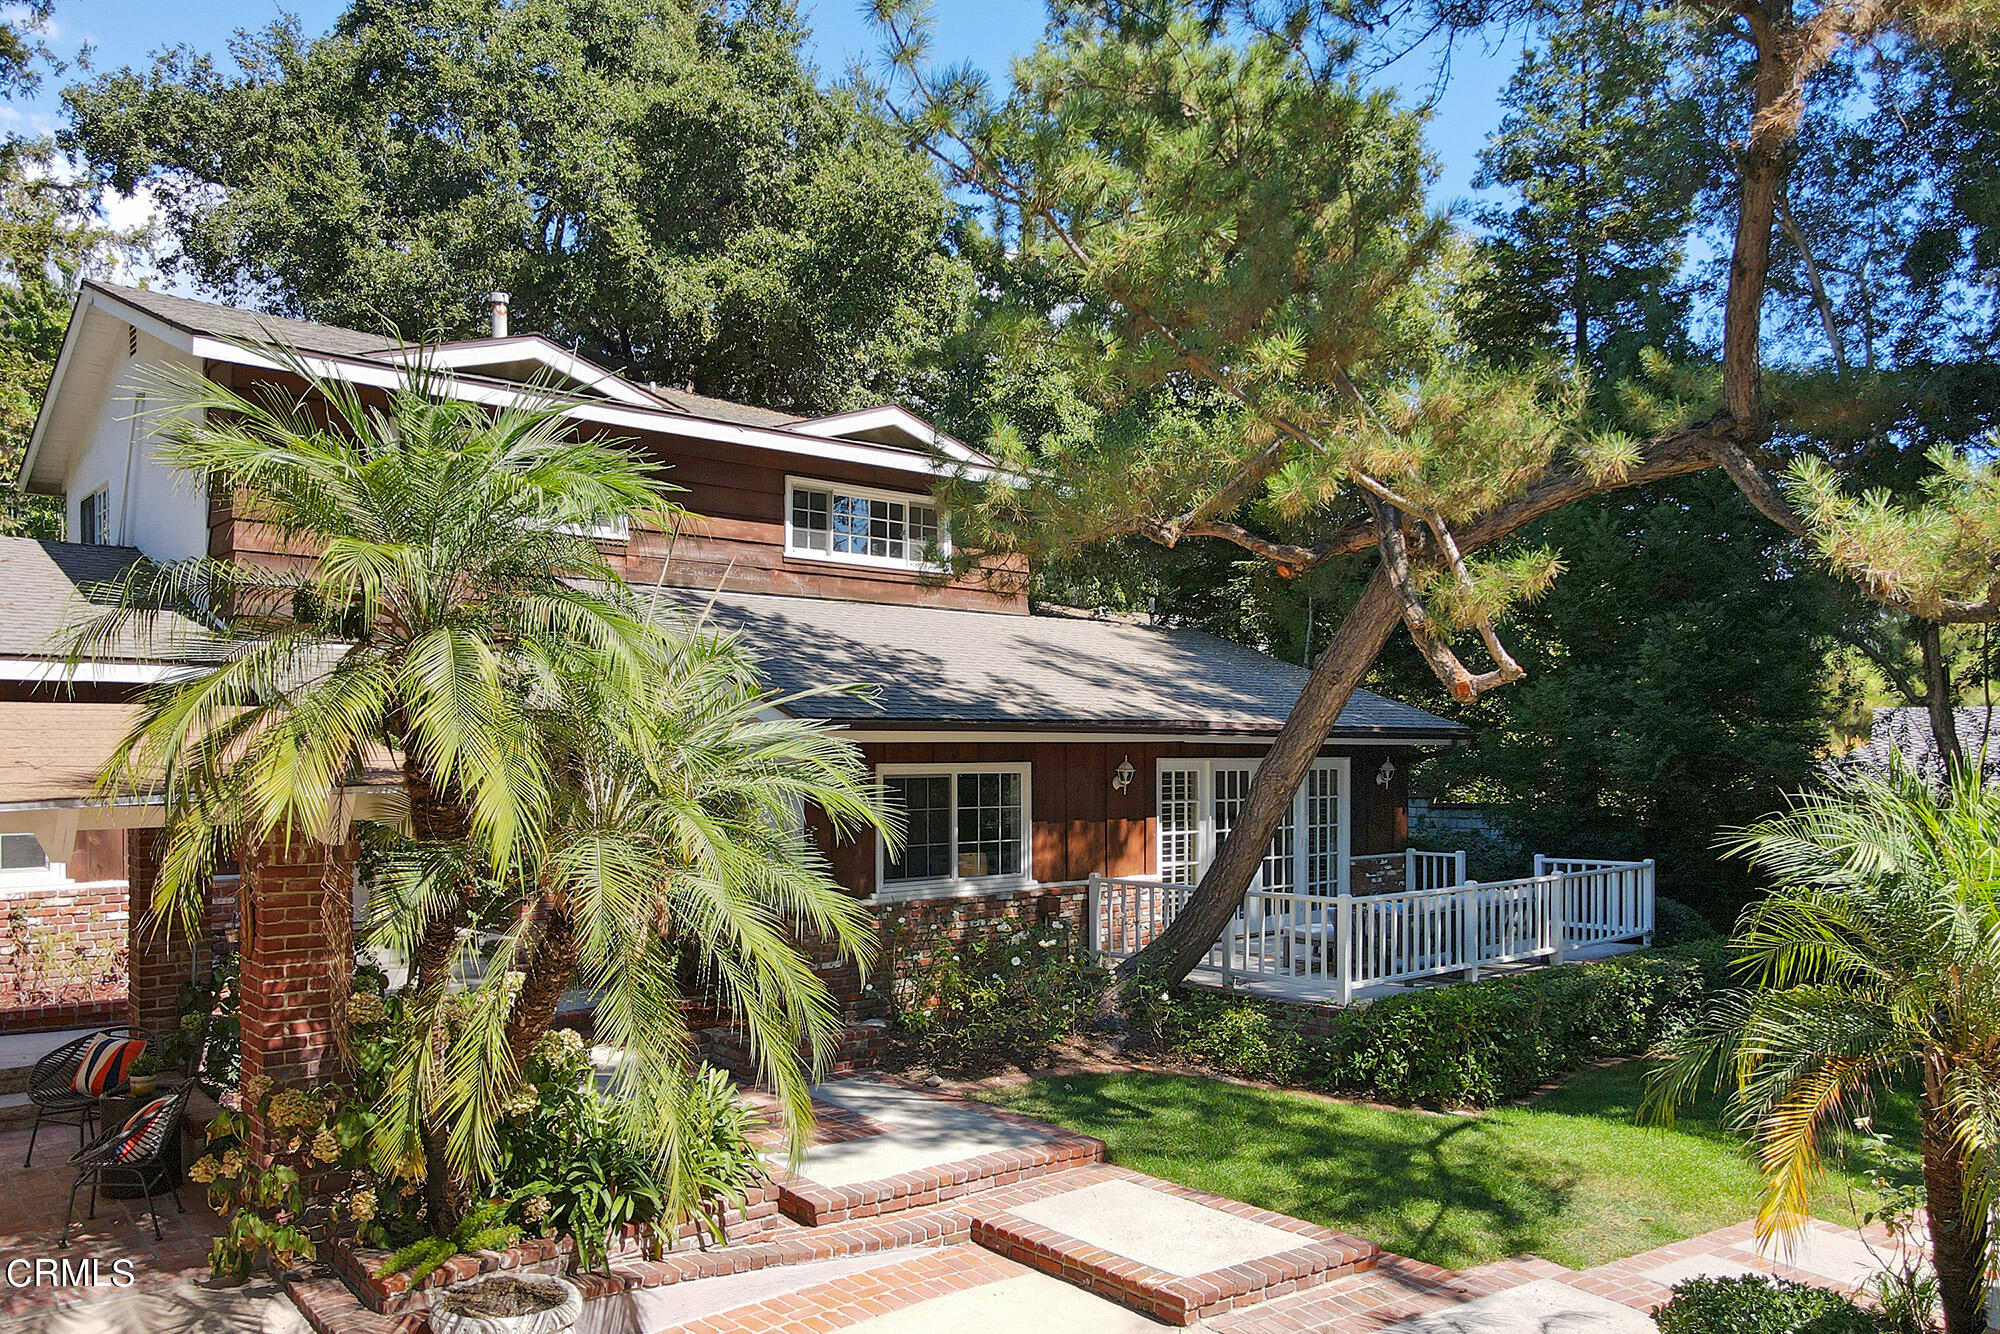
1571 1176
660 184
1466 1045
971 1004
1753 1304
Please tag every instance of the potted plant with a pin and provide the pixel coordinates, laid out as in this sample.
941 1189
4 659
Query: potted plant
145 1075
507 1304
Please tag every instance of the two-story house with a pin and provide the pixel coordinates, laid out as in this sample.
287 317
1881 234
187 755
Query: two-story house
1028 750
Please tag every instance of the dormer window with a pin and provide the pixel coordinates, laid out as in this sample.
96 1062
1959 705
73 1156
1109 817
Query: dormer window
859 525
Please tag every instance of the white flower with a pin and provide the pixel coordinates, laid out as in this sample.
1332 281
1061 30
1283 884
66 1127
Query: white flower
1015 961
1165 996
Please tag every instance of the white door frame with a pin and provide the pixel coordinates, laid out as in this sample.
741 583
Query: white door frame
1204 771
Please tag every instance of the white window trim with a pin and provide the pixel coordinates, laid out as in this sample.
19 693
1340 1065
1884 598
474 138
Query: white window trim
952 886
48 874
105 539
609 530
1204 771
907 498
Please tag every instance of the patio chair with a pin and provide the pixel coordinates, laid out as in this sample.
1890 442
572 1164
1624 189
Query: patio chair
56 1086
144 1150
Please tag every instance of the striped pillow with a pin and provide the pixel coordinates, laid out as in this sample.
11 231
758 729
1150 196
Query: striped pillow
132 1135
105 1063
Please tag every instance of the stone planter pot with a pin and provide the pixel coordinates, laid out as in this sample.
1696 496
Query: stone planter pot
553 1320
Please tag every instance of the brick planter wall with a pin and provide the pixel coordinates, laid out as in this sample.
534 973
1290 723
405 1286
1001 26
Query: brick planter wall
58 1015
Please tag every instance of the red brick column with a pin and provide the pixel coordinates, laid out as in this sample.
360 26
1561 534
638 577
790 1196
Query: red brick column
296 902
162 957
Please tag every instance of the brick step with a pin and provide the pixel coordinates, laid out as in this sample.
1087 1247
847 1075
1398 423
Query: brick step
816 1204
1169 1252
16 1110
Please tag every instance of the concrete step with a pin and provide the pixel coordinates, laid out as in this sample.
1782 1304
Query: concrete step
886 1149
1175 1254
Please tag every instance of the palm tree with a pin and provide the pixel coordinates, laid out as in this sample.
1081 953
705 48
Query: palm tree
1875 961
677 867
444 573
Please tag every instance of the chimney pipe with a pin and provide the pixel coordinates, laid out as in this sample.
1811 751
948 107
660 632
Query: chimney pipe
498 300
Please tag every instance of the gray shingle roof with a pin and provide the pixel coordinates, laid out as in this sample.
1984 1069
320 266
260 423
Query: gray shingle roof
214 321
1907 732
933 666
45 588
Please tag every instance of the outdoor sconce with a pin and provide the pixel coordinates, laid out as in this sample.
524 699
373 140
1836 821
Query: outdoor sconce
1387 774
1122 779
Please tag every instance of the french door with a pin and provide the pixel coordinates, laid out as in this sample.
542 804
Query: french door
1200 800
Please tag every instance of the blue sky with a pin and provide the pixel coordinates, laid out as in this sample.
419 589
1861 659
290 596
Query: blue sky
987 32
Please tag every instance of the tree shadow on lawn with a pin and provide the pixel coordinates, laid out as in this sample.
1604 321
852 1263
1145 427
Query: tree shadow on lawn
1447 1189
1570 1177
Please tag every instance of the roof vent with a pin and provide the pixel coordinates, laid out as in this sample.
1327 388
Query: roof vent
131 340
497 299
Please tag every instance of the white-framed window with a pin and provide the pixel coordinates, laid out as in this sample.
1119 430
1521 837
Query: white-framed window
93 518
23 862
966 830
1198 804
860 525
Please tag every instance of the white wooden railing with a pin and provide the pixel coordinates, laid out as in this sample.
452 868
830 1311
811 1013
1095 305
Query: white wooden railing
1338 946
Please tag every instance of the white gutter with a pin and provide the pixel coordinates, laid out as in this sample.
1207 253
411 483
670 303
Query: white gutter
47 670
373 374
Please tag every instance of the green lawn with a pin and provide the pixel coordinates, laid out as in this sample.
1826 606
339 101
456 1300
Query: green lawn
1571 1178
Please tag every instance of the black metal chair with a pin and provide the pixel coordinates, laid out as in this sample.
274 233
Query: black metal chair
52 1088
148 1157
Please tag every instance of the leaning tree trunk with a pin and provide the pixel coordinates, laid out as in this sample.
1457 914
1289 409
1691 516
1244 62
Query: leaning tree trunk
1958 1234
1183 945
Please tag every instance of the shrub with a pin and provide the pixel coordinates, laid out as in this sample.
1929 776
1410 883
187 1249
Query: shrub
972 1004
1674 923
1466 1045
1753 1304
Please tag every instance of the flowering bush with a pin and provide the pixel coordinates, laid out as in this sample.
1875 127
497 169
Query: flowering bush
976 1003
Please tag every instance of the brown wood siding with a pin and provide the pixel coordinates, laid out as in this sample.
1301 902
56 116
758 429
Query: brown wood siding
734 536
1078 825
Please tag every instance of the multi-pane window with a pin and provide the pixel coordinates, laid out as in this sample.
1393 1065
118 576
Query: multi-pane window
1180 826
93 519
925 800
962 825
847 524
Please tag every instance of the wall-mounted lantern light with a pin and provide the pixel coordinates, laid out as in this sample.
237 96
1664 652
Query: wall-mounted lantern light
1387 775
1122 779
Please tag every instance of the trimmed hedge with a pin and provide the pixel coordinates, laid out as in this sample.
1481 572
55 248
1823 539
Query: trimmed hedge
1466 1045
1752 1304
